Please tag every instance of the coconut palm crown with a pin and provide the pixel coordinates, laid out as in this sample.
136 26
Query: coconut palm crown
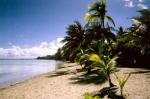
97 12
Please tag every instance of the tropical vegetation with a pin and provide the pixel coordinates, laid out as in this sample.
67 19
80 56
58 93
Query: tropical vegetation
100 46
98 37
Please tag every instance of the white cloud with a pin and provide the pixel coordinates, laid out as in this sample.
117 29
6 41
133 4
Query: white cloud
59 39
140 0
142 6
135 3
44 43
129 3
42 49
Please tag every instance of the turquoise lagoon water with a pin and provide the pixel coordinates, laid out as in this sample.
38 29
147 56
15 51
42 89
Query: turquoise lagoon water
16 70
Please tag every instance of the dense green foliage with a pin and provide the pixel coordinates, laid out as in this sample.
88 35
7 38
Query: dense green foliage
133 42
98 46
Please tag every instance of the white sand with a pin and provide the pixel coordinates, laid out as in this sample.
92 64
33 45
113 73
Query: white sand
60 84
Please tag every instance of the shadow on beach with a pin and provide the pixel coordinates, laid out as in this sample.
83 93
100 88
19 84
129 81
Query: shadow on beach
109 92
64 72
141 72
56 74
84 78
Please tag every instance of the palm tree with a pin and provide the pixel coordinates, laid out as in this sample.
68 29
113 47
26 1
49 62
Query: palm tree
74 39
141 29
97 12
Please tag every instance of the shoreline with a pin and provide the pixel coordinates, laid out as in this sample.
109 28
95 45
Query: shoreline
18 70
30 78
23 81
64 83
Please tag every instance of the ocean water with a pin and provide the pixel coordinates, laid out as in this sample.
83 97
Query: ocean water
16 70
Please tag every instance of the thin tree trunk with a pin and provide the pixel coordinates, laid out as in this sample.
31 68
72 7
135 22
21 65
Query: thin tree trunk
110 83
89 70
121 91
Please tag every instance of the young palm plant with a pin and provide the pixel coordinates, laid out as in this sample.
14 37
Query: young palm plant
122 82
101 60
106 65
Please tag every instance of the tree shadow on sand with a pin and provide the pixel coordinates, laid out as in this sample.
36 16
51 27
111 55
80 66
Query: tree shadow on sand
141 72
85 78
60 73
145 72
65 72
109 92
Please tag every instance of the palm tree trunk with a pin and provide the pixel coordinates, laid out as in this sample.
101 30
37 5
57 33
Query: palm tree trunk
103 23
110 83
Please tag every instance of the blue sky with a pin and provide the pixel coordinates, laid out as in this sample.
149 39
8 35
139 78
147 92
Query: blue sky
31 28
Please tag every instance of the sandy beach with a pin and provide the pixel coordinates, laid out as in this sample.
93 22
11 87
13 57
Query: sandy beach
69 83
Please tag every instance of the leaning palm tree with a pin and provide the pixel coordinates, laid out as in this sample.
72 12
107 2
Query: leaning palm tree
97 12
73 40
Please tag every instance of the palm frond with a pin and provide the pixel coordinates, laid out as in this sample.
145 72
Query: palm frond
109 19
96 58
91 17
